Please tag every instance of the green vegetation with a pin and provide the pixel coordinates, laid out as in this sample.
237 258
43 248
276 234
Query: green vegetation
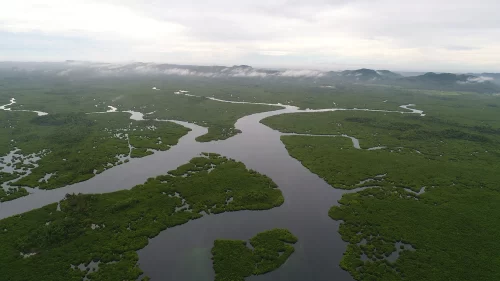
415 147
63 95
453 152
394 129
5 177
109 228
10 193
219 117
140 152
306 93
453 229
74 147
233 260
60 95
342 166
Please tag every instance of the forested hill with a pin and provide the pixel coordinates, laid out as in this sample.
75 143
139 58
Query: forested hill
481 83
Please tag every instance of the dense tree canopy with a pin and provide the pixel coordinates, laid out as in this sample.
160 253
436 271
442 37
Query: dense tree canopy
433 185
233 260
109 228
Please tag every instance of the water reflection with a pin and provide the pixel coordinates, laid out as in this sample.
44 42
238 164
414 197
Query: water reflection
305 213
183 252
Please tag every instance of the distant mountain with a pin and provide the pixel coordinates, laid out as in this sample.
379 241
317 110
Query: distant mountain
389 74
363 75
493 77
431 77
366 75
483 83
430 80
450 81
409 74
91 69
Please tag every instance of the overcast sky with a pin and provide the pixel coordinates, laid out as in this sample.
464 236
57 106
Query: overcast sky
424 35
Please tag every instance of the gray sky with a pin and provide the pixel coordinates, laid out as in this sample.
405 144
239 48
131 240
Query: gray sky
424 35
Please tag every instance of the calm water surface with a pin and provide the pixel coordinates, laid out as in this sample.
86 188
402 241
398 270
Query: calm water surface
183 252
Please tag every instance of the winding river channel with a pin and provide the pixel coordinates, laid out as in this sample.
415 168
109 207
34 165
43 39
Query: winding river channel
183 252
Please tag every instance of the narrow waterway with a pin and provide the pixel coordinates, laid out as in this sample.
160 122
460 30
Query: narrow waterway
183 252
13 101
305 213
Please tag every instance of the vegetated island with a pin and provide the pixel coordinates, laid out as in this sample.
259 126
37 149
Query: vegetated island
429 207
56 243
233 260
56 150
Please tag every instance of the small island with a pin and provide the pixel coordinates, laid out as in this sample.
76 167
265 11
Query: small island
96 236
234 260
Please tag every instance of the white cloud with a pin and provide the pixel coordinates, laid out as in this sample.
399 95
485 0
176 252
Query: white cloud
88 18
441 35
480 79
302 73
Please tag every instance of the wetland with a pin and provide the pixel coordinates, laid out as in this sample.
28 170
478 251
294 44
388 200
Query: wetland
381 182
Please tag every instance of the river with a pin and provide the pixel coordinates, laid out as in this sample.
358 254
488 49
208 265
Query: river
183 252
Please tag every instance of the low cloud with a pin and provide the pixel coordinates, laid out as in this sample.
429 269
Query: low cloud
78 68
476 79
480 79
394 34
65 72
302 73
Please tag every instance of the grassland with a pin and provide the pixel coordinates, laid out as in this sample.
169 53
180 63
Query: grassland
108 229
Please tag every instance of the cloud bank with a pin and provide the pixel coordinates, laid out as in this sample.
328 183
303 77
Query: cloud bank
446 35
